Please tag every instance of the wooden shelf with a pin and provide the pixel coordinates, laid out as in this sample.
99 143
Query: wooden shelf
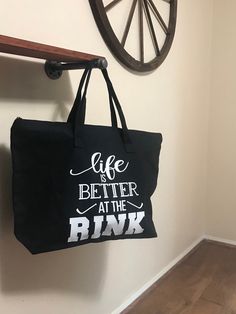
27 48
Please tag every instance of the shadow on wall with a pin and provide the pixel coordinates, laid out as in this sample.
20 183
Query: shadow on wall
79 270
26 82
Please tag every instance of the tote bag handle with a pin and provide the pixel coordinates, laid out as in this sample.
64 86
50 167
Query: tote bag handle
81 108
72 113
77 101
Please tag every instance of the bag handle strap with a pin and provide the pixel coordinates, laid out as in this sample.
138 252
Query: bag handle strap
80 113
72 113
126 137
84 85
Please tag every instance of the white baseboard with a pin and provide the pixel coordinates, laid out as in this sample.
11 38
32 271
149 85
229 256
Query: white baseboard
226 241
137 294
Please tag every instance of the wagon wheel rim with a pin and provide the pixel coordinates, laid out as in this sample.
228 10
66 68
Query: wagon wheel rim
147 11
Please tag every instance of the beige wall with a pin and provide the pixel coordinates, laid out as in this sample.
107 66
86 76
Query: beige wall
221 213
174 100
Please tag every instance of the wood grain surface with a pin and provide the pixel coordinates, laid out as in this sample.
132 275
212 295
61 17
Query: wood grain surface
203 283
27 48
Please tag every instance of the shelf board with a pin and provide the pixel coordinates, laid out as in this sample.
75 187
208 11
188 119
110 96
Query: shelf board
32 49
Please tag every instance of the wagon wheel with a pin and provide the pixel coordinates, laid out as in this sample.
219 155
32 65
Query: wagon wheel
147 12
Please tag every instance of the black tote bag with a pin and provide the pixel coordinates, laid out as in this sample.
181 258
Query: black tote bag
75 184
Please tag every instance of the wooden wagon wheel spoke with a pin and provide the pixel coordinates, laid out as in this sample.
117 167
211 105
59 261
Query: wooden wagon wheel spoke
128 24
158 16
141 40
111 4
148 12
151 28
